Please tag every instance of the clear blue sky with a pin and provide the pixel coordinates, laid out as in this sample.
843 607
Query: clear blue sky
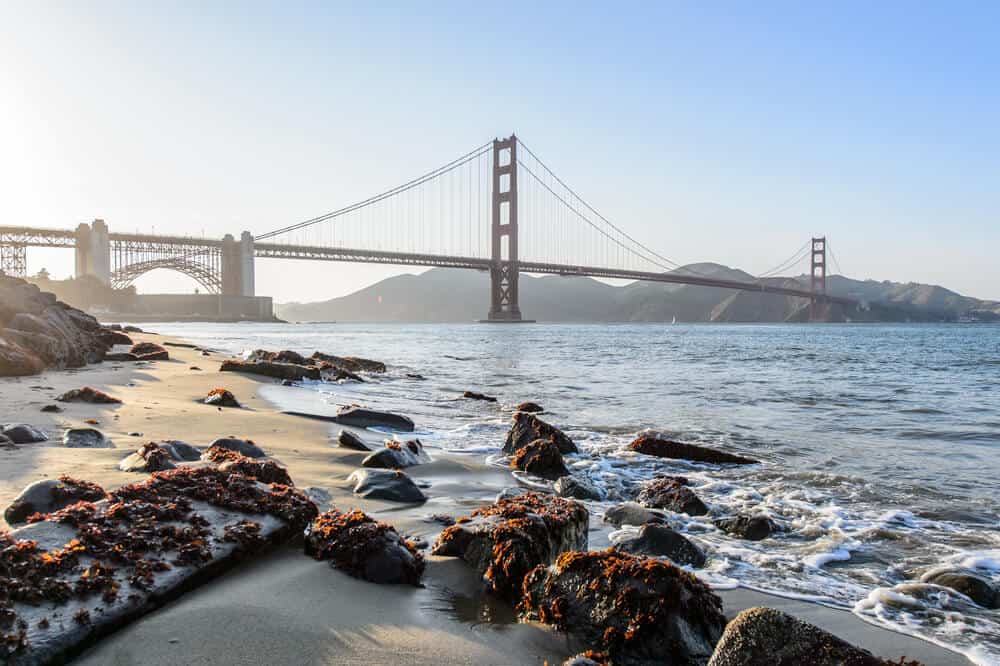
731 132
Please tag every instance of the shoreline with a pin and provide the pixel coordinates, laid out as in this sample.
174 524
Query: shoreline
283 607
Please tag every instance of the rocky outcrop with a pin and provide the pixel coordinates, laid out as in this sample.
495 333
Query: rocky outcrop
360 417
349 440
972 585
150 457
398 455
48 495
17 361
361 547
666 492
332 373
149 351
769 636
638 610
384 484
527 428
85 438
631 513
88 394
505 540
530 407
217 450
284 356
540 458
473 395
658 540
220 397
752 528
352 363
271 369
665 448
22 433
575 487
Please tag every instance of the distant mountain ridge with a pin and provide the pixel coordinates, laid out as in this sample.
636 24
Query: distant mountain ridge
456 295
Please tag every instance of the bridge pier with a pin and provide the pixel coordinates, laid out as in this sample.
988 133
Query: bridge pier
817 282
237 265
93 251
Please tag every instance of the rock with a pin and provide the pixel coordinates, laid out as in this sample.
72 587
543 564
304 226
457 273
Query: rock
527 428
52 409
284 356
588 658
121 357
149 351
414 375
265 471
472 395
181 451
657 540
529 407
220 397
397 455
636 609
132 329
769 636
509 492
361 547
6 442
51 495
576 488
977 588
665 448
149 457
366 418
272 369
244 447
352 363
385 484
22 433
752 528
332 373
86 438
631 513
505 540
16 361
88 394
541 458
665 492
288 382
349 440
117 337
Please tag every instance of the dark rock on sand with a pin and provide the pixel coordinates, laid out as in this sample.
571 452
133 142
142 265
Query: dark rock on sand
527 428
661 541
665 492
284 356
530 407
366 418
638 610
631 513
88 394
181 451
769 636
51 495
361 547
132 329
384 484
506 540
22 433
86 438
52 409
220 397
244 447
472 395
265 471
121 357
352 363
665 448
752 528
349 440
541 458
149 351
977 588
397 455
576 488
7 443
116 337
271 369
150 457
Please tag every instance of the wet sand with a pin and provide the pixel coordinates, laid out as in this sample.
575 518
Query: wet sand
284 607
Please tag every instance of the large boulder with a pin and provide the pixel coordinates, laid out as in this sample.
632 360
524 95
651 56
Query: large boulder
352 363
667 492
505 540
969 583
752 528
540 458
385 484
22 433
50 495
528 427
632 513
658 540
361 547
271 369
769 636
398 455
85 438
360 417
638 610
665 448
150 457
283 356
17 361
88 394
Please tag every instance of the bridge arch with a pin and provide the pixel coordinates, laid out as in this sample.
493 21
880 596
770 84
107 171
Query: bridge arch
206 276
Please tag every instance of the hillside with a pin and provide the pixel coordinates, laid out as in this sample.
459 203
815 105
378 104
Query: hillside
454 295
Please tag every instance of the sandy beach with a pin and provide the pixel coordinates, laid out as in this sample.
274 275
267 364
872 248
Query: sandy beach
284 607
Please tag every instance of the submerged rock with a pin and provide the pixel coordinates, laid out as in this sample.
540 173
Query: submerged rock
22 433
658 540
220 397
271 369
384 484
88 394
349 440
472 395
541 458
631 513
398 455
752 528
244 447
367 418
352 363
665 448
638 610
769 636
50 495
530 407
575 487
361 547
150 457
665 492
505 540
86 438
972 585
527 428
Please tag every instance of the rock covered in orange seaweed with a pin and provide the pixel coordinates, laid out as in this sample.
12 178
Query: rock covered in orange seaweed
364 548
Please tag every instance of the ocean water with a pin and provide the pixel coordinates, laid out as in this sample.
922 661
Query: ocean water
880 444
